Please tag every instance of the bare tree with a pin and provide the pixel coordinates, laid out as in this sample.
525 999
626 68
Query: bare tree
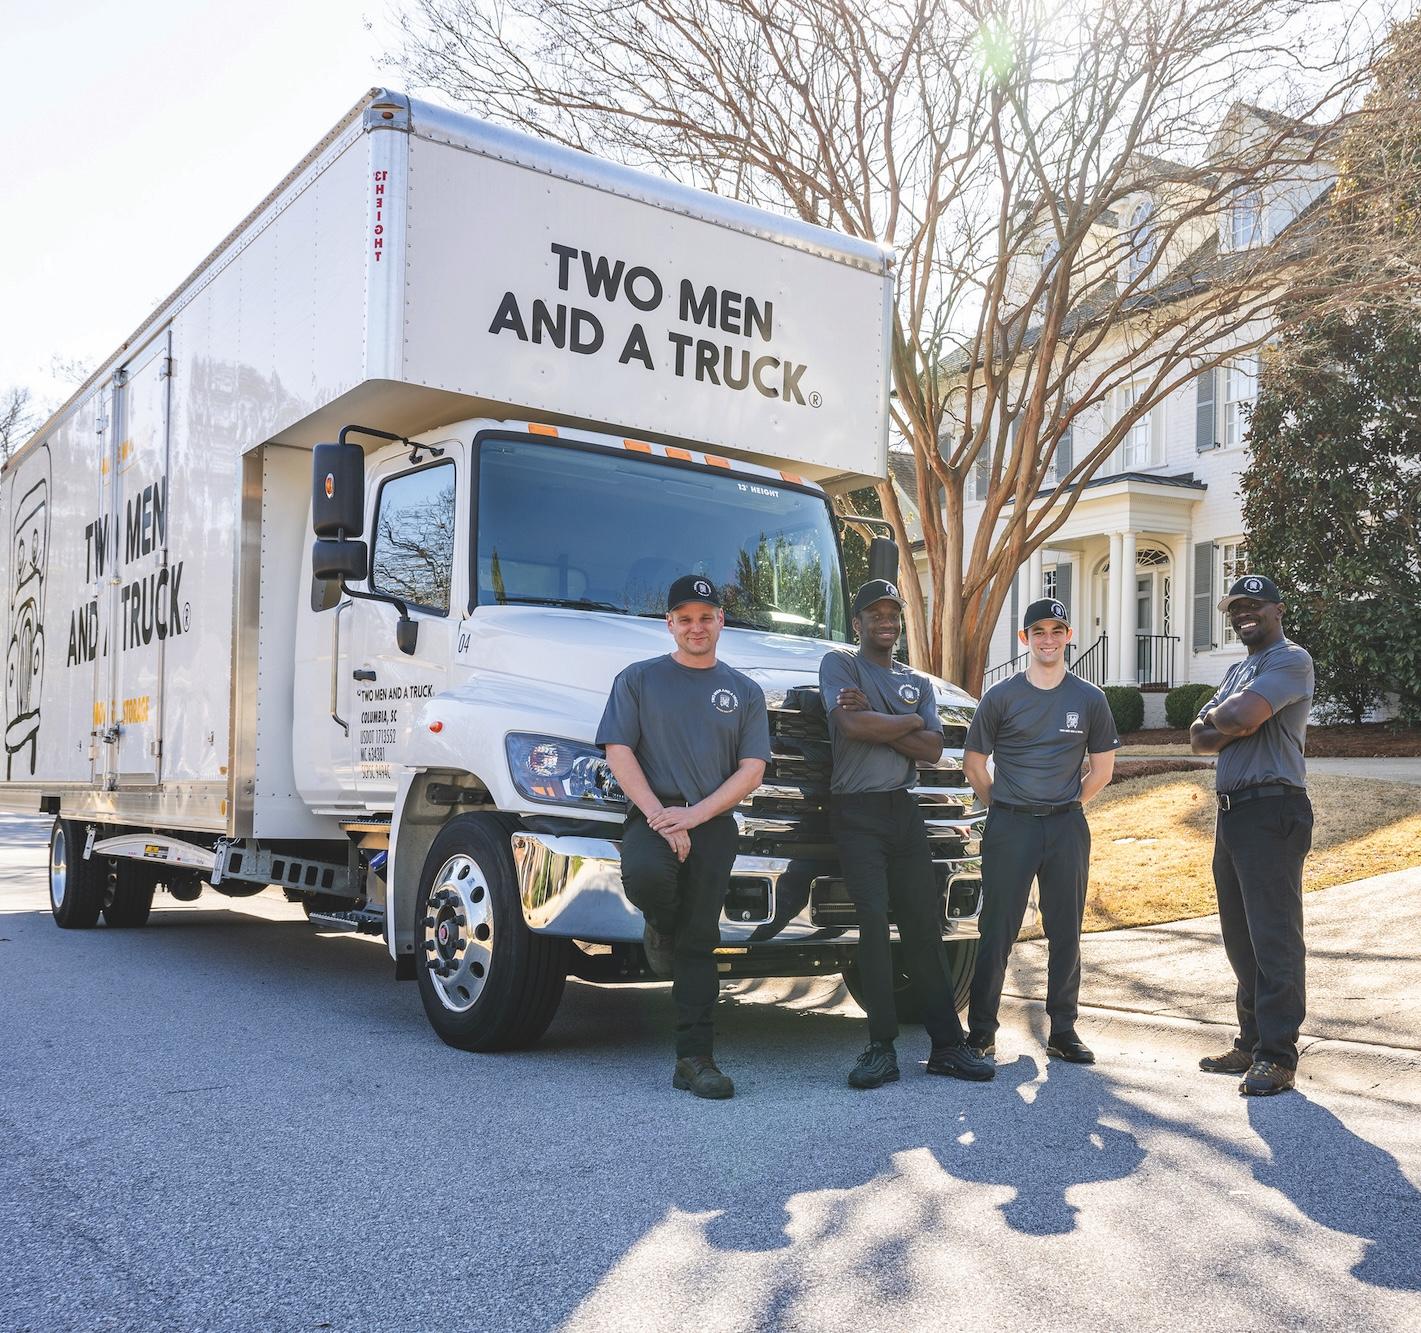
17 420
1004 149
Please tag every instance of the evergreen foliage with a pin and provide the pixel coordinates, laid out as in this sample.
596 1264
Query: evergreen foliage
1127 707
1182 704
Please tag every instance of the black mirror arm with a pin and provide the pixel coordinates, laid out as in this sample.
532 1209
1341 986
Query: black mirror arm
385 597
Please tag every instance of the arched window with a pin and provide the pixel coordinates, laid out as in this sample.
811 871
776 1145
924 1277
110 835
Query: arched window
1142 239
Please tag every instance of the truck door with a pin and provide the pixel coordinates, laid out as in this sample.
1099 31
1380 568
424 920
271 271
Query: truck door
142 599
417 521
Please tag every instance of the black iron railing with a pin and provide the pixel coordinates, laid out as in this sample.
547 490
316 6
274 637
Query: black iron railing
1090 665
991 676
1154 660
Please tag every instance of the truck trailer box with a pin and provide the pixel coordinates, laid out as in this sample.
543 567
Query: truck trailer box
513 392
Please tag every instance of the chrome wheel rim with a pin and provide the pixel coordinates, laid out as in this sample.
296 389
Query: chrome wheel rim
457 932
58 867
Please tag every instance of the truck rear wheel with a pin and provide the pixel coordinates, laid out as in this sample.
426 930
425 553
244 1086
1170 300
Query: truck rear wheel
76 886
487 982
132 899
961 962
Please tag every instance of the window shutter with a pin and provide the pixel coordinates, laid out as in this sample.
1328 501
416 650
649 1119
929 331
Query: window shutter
982 472
1063 587
1203 596
1205 418
1065 451
1015 611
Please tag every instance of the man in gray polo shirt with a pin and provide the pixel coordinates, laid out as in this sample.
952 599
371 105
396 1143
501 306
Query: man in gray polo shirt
687 738
883 719
1257 724
1040 726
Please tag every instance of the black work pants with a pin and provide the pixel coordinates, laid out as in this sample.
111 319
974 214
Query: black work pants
684 899
1054 850
1259 849
887 862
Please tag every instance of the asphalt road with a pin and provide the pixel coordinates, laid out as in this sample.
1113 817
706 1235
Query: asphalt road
228 1121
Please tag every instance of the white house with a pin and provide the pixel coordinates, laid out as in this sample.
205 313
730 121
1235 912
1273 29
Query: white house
1158 532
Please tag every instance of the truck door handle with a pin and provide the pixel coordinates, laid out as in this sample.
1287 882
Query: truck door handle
335 671
363 674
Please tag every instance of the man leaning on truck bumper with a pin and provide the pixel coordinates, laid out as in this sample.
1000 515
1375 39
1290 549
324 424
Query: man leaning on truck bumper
687 738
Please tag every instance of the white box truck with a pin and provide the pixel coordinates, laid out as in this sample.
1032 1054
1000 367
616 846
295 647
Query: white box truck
546 386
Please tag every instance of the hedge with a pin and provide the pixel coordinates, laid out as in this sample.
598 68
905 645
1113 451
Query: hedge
1182 704
1127 707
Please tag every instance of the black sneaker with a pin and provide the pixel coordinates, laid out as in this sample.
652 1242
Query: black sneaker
1231 1061
1266 1077
698 1074
959 1060
876 1066
660 949
986 1047
1067 1046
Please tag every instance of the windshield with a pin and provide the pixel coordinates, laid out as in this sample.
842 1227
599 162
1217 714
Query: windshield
610 531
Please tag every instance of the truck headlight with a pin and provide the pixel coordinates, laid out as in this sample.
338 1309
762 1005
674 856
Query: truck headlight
548 768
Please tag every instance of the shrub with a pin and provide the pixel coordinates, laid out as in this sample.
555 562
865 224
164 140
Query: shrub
1182 704
1127 707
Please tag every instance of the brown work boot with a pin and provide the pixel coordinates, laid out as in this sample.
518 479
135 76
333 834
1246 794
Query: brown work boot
1231 1061
1265 1078
698 1074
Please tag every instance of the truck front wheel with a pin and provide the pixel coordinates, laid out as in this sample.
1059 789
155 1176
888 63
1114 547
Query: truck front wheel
961 962
76 886
487 982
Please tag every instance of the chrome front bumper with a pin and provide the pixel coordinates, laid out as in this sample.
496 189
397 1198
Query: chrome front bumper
572 887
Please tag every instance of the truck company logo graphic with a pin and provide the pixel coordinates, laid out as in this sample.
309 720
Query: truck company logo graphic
700 308
29 557
702 587
1253 585
1073 721
725 701
908 692
1058 610
890 590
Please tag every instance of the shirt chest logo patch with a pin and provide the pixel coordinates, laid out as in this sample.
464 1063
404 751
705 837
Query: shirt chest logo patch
1073 720
908 693
724 701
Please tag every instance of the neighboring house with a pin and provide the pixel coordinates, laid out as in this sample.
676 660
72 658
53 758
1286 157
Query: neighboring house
1158 531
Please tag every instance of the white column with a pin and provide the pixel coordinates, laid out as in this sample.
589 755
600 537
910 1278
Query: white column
1127 608
1181 622
1035 576
1111 618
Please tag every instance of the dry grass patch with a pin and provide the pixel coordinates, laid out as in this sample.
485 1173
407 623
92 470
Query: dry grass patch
1152 843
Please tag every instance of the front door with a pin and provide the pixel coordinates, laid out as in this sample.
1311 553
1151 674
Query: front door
413 535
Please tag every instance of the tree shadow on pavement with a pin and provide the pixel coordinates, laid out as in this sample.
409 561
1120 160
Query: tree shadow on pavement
1344 1183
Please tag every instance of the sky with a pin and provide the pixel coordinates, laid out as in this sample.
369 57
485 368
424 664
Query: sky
135 136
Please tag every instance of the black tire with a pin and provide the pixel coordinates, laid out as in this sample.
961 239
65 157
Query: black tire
76 886
132 897
487 982
961 962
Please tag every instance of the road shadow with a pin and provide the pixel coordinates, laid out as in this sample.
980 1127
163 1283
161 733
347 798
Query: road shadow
1344 1183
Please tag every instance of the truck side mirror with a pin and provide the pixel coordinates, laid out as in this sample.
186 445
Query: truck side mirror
346 561
338 491
883 559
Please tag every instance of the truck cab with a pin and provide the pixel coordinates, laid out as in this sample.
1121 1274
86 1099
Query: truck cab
529 564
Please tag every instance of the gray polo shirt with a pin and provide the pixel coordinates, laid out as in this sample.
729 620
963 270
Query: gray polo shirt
689 727
1039 738
1282 675
865 766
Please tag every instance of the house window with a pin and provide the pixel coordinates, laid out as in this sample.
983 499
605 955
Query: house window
1233 564
1142 240
1050 581
1240 389
1245 218
1135 448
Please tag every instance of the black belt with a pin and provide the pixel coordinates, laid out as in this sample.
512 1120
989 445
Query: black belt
1228 799
1038 810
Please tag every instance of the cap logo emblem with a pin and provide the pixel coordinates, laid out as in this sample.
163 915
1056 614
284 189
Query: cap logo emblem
1058 610
724 701
1253 585
702 587
908 693
890 590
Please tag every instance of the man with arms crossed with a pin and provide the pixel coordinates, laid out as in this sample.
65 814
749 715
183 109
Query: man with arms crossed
1040 725
1257 725
882 719
687 738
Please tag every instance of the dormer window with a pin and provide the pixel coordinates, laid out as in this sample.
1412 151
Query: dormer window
1245 218
1142 240
1050 253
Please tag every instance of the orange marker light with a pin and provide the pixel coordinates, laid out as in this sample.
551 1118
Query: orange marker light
436 726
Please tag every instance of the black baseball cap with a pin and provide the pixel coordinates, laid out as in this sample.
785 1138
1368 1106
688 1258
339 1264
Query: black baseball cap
1045 608
691 588
1252 586
876 590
